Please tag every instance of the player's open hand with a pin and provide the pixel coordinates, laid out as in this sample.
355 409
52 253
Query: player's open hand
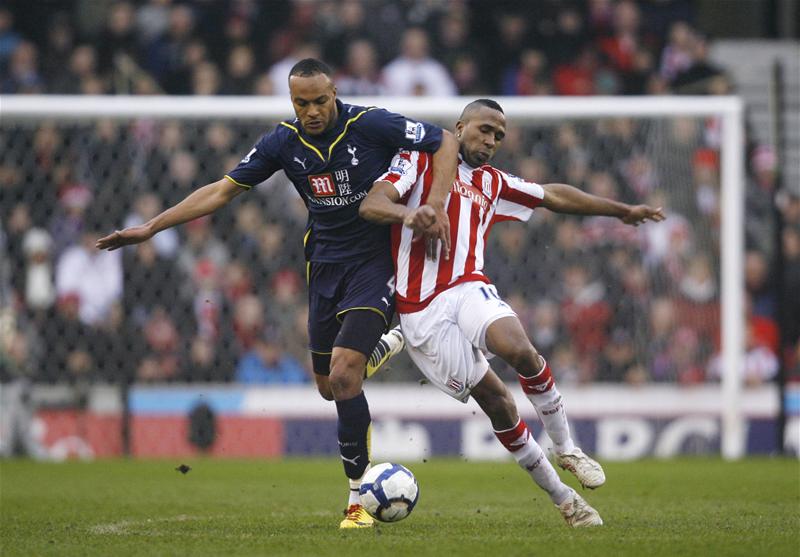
639 214
126 237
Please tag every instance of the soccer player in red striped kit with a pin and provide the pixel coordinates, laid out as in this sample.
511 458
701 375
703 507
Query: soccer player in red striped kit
452 316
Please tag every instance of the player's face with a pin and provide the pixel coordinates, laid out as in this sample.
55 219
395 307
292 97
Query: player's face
314 101
480 135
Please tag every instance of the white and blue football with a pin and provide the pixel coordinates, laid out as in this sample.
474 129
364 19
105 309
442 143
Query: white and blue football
389 492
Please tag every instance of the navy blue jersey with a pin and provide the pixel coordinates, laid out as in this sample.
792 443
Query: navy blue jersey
334 172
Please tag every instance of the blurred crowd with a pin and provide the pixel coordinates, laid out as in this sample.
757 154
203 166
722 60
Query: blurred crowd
397 47
223 298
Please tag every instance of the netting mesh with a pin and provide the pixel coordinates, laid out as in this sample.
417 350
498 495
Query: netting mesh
223 298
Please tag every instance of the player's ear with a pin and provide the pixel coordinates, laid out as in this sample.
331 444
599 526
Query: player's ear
459 129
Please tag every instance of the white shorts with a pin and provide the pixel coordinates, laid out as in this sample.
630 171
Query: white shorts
447 339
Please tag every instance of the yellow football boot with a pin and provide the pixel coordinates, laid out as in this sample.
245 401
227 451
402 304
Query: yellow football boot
357 517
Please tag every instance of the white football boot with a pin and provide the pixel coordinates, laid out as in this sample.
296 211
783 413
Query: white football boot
578 513
587 470
388 346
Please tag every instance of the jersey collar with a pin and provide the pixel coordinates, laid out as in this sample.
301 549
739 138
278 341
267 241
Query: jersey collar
322 145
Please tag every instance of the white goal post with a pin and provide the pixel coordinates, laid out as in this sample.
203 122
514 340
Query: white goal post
728 109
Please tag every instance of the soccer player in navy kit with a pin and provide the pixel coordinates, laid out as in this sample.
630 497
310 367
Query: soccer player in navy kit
333 152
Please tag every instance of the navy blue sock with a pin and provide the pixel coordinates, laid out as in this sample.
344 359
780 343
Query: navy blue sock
354 421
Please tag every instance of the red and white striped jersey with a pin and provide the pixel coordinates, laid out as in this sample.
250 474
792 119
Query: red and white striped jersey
478 198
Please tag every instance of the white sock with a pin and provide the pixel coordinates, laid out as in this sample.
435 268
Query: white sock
541 390
353 498
529 455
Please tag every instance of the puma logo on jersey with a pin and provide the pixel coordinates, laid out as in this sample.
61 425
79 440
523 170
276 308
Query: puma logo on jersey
301 162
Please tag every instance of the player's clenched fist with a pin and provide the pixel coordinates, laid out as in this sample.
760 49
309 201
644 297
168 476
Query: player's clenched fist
132 235
420 219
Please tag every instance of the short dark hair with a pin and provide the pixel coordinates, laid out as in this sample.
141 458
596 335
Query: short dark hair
488 103
310 66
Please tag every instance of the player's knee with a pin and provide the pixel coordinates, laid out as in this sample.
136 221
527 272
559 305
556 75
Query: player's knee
324 387
325 392
346 378
345 385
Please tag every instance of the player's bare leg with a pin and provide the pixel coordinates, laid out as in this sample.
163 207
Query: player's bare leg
346 379
323 386
506 338
496 401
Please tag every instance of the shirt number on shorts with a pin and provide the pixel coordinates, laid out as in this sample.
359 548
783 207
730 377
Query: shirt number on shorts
491 294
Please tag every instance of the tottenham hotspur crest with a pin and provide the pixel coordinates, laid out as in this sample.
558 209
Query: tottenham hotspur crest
352 151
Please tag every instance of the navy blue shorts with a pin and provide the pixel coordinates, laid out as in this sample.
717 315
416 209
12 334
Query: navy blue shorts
336 288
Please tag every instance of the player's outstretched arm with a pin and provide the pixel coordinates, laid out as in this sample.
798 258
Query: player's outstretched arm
445 164
381 206
200 202
562 198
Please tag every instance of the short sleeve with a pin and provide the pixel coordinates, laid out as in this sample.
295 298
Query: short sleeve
395 130
517 198
405 170
259 164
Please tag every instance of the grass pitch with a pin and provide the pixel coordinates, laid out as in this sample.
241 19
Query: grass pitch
292 507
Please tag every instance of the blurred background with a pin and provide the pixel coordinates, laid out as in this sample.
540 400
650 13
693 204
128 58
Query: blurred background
206 324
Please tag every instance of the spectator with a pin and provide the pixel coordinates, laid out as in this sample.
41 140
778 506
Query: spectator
414 72
791 280
279 70
166 56
528 77
618 359
240 71
585 311
677 54
150 281
360 75
93 276
346 27
621 46
118 38
23 75
162 361
207 361
758 284
145 207
577 77
69 342
267 363
40 291
760 364
201 244
206 79
697 78
248 321
57 51
9 38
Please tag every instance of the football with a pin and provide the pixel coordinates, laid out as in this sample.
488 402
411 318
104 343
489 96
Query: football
389 492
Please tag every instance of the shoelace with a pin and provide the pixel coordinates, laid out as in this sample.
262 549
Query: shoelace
352 511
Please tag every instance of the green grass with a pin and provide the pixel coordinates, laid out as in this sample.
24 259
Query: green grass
292 507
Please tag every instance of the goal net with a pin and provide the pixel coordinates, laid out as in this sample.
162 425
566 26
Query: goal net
617 310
